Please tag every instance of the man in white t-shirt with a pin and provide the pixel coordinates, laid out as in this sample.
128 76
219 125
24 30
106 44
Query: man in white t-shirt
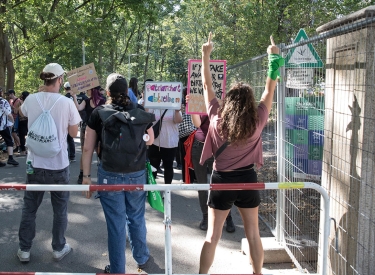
54 170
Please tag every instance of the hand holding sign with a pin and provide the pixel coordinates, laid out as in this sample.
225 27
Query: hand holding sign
272 49
208 46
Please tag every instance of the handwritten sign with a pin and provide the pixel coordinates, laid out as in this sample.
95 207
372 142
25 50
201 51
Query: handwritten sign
195 87
83 78
163 95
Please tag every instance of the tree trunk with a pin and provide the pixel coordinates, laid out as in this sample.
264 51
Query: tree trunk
11 72
2 57
147 49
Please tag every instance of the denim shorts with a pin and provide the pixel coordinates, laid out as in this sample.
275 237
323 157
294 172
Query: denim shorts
224 199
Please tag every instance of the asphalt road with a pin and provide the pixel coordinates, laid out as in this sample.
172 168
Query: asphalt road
87 233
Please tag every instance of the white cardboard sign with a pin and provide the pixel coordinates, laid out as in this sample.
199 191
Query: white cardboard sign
163 95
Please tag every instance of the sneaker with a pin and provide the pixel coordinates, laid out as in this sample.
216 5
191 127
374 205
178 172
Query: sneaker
144 266
24 256
58 255
203 225
12 162
2 164
72 160
179 167
230 228
107 269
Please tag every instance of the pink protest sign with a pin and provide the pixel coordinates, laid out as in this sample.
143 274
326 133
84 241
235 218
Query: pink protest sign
195 88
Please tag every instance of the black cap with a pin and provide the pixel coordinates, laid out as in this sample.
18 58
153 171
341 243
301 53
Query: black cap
11 92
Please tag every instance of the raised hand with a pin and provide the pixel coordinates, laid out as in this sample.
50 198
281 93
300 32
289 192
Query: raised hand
272 49
208 46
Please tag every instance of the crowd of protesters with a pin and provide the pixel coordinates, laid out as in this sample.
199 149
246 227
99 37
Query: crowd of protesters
226 143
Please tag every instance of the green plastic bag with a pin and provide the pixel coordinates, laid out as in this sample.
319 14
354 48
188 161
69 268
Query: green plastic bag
154 198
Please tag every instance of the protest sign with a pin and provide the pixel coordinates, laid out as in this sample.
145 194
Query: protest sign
163 95
195 88
83 78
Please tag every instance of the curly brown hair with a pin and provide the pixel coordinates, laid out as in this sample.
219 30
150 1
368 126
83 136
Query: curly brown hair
239 114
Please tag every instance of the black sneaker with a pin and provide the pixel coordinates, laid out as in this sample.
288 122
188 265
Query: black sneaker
145 265
203 225
2 164
12 162
107 269
230 228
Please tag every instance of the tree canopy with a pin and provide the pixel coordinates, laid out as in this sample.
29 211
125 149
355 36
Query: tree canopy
146 38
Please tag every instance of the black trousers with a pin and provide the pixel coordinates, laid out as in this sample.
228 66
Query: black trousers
71 147
156 154
22 132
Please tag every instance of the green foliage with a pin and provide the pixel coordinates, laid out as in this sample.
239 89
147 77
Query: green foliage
160 35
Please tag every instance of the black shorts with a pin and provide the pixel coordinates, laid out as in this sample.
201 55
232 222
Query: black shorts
224 199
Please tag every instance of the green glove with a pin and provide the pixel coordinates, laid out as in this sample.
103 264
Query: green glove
275 61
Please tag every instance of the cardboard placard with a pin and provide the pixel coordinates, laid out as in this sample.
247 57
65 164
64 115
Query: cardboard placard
195 87
163 95
83 78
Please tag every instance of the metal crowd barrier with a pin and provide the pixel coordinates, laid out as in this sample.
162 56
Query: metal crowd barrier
323 247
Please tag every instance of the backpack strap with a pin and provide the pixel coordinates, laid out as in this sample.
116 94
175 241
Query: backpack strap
40 103
161 119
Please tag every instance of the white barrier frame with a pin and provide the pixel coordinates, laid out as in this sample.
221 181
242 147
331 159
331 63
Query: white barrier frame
323 247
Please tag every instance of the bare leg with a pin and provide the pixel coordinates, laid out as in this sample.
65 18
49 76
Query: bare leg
16 139
250 222
216 219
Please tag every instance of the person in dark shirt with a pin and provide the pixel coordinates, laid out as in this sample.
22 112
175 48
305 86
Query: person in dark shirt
87 105
124 211
69 139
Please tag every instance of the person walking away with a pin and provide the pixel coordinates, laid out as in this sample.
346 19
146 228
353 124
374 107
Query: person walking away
22 124
80 98
185 128
122 209
237 125
133 89
5 132
87 105
70 139
15 103
48 170
165 145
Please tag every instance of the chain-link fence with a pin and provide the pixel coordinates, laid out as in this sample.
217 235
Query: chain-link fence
321 129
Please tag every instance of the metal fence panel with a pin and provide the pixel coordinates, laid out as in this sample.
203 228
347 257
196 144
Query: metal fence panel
326 131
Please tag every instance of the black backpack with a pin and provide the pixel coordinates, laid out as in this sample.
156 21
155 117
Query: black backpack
123 149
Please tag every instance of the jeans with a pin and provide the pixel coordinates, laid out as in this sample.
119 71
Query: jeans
201 173
124 209
32 201
71 147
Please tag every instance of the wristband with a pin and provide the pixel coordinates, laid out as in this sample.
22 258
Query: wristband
86 176
275 61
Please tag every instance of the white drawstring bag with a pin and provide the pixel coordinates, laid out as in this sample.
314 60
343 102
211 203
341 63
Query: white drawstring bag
42 138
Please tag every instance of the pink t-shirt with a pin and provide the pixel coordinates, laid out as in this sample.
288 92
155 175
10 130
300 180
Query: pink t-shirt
234 156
